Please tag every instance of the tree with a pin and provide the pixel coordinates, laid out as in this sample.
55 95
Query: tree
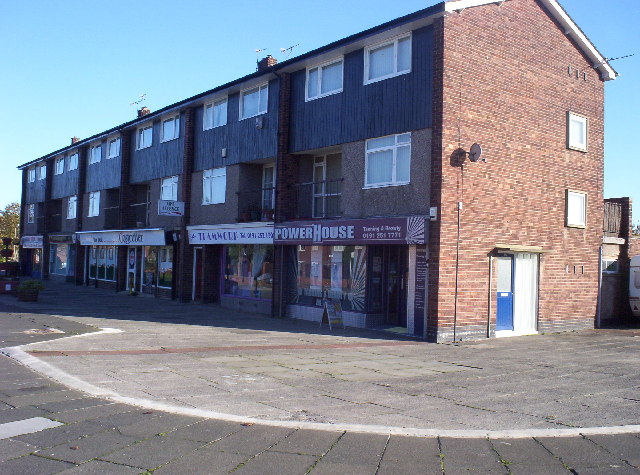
10 221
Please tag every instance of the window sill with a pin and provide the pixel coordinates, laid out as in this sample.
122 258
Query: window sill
169 140
388 76
385 185
576 226
251 116
577 149
204 129
217 203
142 148
309 99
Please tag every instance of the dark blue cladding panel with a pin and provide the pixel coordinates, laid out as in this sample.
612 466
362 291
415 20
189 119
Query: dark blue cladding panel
160 160
104 174
65 184
359 112
35 191
242 139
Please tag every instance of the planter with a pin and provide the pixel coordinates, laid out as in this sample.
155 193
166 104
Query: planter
9 286
28 295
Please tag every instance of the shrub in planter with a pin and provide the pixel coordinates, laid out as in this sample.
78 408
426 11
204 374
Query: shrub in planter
29 289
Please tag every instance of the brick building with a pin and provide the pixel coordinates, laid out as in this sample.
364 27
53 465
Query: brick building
350 173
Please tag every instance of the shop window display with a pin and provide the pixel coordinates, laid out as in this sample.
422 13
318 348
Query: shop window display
248 271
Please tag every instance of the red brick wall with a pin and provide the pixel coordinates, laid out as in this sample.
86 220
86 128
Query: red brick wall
506 86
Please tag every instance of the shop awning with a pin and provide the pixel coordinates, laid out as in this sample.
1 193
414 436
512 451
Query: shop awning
124 237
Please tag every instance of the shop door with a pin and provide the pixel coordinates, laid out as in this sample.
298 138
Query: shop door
132 259
388 283
504 318
197 274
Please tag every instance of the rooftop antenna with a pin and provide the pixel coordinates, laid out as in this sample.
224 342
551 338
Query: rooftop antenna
287 51
139 101
258 51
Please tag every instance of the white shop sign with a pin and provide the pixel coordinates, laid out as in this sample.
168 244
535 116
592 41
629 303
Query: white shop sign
123 238
231 235
31 242
170 208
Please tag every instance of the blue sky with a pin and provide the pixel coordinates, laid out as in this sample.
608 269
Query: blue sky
73 67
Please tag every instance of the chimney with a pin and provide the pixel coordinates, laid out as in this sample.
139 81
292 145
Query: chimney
144 111
74 140
266 63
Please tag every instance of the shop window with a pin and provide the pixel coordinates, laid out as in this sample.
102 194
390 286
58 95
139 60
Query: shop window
150 266
165 267
103 261
61 259
336 272
248 271
93 262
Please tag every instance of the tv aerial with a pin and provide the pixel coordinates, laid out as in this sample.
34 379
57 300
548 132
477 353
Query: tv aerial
287 51
139 101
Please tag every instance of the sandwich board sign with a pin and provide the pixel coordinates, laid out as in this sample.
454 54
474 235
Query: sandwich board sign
332 313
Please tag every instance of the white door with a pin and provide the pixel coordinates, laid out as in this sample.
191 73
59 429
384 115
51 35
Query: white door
525 293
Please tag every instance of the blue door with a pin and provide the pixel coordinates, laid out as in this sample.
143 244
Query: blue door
504 318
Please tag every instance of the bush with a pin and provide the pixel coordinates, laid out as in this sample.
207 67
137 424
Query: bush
31 285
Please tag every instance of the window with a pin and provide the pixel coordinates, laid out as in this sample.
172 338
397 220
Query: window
254 101
71 207
214 186
31 175
576 209
114 148
324 80
171 128
158 266
387 161
609 266
165 266
59 166
61 260
94 204
268 187
215 114
95 154
103 261
42 172
73 162
169 189
31 214
577 132
327 185
145 136
388 59
248 271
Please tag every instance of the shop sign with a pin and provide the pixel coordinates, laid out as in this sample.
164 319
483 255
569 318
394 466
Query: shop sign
407 230
238 235
31 242
123 238
170 208
62 239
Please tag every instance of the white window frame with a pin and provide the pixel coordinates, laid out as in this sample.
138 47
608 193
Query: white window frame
176 128
31 175
72 163
94 204
606 262
171 184
320 68
93 156
59 166
72 207
268 196
394 148
31 214
395 72
572 221
581 144
140 134
208 180
42 171
211 106
261 110
116 141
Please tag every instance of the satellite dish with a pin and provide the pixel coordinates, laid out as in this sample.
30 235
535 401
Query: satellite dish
475 153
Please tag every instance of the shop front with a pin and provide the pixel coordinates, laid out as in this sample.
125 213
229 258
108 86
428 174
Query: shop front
376 269
32 261
133 260
62 256
233 264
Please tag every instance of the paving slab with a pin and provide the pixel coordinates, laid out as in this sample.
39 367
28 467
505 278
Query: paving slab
60 435
411 455
204 460
32 464
99 467
252 439
353 454
307 442
10 448
470 456
87 448
527 456
281 463
153 452
624 446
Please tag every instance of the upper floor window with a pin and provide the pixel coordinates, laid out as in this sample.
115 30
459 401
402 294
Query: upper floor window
114 147
254 101
59 166
215 114
31 214
324 80
94 204
73 162
214 186
576 209
42 172
387 161
171 128
610 266
145 136
169 189
577 132
95 153
388 59
31 175
72 205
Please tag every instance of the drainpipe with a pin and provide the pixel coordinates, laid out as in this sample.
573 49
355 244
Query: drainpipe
599 308
489 296
455 300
